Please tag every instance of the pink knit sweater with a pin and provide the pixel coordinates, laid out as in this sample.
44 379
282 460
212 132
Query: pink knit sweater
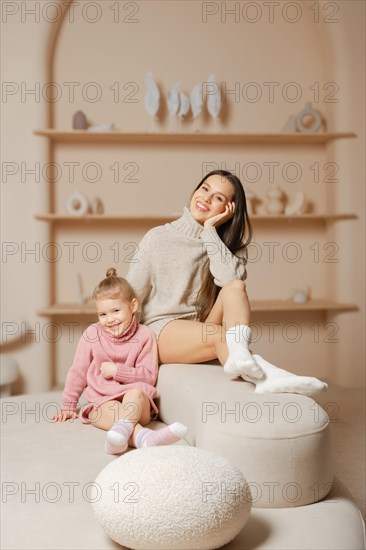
134 353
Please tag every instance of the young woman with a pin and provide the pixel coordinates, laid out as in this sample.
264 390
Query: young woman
189 276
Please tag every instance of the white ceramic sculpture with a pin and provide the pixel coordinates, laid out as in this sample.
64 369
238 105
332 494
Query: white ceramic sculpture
183 104
295 122
173 105
297 206
152 99
104 127
214 100
183 108
290 125
196 105
77 204
309 112
301 296
250 196
274 204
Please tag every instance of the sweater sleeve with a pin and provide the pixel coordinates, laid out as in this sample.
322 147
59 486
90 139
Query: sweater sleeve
76 377
140 367
224 265
139 271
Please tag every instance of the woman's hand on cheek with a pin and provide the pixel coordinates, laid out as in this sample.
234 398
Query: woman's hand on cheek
219 219
108 369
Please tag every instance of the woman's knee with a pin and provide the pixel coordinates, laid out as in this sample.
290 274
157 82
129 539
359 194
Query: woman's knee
236 285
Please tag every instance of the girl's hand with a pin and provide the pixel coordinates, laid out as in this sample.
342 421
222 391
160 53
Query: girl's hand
108 369
218 220
64 415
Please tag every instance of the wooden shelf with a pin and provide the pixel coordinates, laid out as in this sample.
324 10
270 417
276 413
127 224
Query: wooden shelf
316 304
304 217
221 139
68 309
97 218
255 306
83 136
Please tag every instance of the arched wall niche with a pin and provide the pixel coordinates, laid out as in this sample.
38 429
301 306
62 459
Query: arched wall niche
172 40
270 80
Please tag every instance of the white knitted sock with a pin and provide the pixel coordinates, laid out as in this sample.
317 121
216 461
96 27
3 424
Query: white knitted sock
240 361
276 380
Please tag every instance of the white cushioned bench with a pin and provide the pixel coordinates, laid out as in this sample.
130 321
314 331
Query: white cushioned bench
281 442
48 469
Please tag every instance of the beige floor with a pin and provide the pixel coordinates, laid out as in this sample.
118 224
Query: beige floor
346 409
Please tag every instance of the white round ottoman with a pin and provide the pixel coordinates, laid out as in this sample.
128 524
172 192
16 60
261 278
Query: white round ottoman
171 497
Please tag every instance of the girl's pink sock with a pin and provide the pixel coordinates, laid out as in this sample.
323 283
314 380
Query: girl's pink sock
164 436
118 436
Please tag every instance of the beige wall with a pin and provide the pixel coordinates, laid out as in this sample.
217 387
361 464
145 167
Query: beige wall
171 39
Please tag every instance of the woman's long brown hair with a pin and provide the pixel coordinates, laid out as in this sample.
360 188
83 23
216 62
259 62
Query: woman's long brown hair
232 233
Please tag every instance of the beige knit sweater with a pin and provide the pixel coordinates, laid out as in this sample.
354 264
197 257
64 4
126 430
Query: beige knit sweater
165 272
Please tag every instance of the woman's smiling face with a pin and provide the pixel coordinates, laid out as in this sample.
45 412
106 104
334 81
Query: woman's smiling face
211 198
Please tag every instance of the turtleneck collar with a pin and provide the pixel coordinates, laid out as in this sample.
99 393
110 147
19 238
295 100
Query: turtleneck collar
188 225
126 335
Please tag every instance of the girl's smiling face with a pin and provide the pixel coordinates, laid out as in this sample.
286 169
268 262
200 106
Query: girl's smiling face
115 314
211 198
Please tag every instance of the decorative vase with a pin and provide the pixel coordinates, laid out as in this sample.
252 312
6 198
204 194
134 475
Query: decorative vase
316 117
275 204
301 296
77 204
298 204
250 196
79 121
97 206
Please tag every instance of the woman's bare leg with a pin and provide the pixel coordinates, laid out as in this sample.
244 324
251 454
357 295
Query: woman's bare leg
231 307
193 342
184 341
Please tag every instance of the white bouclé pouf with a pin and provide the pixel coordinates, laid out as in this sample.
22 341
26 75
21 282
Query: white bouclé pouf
172 497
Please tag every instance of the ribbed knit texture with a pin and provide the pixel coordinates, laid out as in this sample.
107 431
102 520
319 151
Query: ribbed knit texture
166 271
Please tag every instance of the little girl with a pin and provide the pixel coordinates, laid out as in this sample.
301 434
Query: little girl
116 364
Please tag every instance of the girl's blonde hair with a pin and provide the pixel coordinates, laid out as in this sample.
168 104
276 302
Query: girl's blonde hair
114 287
